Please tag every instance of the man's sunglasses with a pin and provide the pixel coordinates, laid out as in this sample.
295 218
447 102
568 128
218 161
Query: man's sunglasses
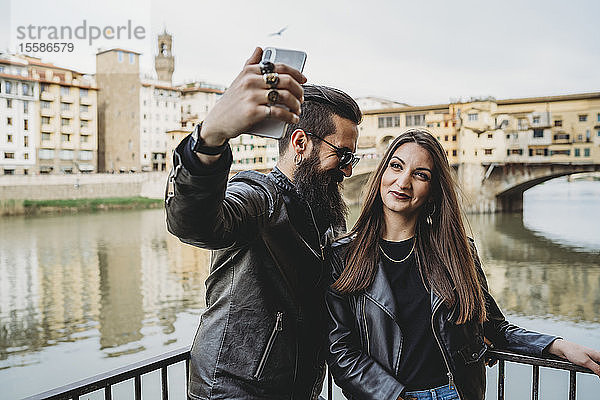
346 156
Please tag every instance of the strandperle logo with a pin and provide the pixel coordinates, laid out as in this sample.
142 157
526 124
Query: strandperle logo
83 31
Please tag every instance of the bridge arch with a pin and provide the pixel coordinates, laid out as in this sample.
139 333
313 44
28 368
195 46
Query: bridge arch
502 189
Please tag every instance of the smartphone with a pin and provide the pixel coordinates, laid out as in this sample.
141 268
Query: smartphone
274 128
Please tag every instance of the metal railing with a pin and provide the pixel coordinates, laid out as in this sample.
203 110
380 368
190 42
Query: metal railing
536 362
135 371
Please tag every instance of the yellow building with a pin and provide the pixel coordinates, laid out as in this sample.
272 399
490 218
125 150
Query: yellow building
68 141
528 130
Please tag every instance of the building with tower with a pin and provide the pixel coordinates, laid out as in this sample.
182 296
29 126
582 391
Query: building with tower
136 111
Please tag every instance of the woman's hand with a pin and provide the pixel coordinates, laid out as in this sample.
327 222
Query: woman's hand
245 102
577 354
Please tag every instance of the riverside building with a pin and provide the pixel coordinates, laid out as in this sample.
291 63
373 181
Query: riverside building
551 129
19 131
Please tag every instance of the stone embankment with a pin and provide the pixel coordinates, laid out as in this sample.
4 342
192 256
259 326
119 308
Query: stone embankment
17 193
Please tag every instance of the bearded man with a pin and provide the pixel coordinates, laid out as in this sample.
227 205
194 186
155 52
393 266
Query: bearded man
262 334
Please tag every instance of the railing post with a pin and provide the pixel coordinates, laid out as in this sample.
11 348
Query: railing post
535 384
138 387
164 383
572 385
329 385
501 380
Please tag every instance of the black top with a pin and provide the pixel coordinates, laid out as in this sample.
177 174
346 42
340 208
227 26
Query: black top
422 365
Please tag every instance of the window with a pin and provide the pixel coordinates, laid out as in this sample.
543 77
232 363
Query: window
66 154
537 133
560 152
45 104
8 103
83 108
577 152
583 118
120 56
9 155
26 90
522 123
83 93
9 171
562 136
83 124
396 119
454 153
490 135
25 141
84 139
26 107
65 106
46 136
44 87
85 155
45 120
598 132
46 154
9 138
514 151
8 121
65 137
131 58
536 120
65 122
598 118
8 87
473 116
25 157
487 152
65 90
454 138
445 138
415 120
25 125
580 138
586 152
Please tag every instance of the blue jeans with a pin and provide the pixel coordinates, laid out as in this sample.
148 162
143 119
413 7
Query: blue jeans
439 393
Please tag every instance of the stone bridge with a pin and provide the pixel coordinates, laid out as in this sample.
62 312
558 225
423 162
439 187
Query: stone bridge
486 188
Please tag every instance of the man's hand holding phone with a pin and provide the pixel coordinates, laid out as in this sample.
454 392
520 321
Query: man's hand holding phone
246 103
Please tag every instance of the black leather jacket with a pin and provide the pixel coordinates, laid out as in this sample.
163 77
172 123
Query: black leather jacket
365 341
262 333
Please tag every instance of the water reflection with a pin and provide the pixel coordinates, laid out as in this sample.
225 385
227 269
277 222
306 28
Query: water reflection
532 275
109 275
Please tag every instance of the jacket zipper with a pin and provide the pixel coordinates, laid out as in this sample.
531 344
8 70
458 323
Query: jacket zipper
276 329
365 322
450 377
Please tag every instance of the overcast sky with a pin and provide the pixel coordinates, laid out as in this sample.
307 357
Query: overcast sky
418 52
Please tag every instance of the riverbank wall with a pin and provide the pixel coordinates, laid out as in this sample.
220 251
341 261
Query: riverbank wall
16 190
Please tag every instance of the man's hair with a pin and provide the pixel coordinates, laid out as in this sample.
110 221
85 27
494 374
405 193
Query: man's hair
320 104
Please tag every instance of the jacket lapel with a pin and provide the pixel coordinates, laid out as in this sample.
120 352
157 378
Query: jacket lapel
381 293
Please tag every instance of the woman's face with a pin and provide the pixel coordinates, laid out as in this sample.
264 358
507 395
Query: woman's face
406 181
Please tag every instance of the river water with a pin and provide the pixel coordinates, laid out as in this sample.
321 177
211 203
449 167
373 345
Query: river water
84 294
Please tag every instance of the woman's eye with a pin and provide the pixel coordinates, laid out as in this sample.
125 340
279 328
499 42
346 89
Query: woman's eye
422 175
395 165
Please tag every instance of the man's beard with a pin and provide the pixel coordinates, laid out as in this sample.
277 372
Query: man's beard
322 190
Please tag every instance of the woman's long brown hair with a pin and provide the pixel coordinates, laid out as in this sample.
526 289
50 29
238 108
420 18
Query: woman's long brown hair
443 250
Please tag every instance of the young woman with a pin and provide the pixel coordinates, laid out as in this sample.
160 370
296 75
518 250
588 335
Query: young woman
410 315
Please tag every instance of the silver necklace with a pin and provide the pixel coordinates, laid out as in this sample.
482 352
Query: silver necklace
405 258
